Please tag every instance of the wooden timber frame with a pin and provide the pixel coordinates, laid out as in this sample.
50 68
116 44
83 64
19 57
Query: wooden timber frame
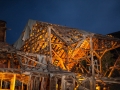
64 46
58 51
36 81
67 47
28 71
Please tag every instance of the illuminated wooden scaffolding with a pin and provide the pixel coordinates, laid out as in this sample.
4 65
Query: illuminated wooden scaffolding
28 71
65 47
53 52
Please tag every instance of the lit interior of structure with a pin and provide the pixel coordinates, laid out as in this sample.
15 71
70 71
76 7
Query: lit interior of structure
49 56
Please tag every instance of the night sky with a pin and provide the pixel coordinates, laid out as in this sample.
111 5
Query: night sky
97 16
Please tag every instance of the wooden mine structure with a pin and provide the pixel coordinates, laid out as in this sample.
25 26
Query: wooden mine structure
53 57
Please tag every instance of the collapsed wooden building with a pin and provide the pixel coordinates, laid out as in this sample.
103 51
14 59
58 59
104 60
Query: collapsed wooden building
53 57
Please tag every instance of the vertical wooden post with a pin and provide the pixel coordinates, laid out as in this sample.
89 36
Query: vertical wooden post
74 82
68 68
8 63
22 85
49 43
100 65
42 84
53 83
5 84
12 83
1 84
27 86
92 62
19 88
63 83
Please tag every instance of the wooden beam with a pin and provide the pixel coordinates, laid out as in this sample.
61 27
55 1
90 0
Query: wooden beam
12 83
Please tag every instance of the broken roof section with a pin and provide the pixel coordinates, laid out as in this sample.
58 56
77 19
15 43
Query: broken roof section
25 34
62 45
68 35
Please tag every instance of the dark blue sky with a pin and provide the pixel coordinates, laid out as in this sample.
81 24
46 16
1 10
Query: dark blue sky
97 16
